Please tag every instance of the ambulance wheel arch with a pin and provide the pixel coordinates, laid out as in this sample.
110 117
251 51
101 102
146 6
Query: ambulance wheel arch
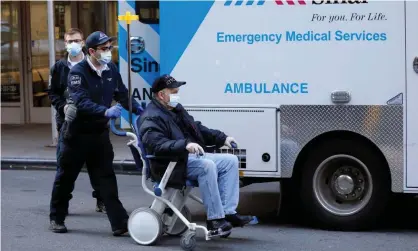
343 181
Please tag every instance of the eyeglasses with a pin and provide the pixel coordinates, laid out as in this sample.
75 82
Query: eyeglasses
106 48
74 41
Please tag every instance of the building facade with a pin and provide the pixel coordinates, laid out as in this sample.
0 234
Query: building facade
25 51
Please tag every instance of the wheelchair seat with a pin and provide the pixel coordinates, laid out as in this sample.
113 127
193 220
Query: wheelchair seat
189 183
192 183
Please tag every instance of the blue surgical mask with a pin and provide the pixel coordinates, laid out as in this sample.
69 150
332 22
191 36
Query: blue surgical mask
74 49
105 57
174 100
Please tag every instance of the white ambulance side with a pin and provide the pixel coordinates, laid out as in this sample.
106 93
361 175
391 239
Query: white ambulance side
411 130
278 97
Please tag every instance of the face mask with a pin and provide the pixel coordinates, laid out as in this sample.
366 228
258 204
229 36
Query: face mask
174 100
74 49
105 57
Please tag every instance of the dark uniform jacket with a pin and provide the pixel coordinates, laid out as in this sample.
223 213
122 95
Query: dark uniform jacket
166 133
57 88
93 95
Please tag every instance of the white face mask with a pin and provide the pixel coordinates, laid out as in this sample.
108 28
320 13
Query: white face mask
74 49
105 57
174 100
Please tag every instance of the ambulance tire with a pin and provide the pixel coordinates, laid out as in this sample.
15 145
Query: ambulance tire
358 164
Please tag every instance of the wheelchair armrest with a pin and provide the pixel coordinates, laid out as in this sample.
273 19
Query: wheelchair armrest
212 148
170 158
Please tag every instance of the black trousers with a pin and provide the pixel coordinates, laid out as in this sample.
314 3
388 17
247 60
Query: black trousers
94 180
94 149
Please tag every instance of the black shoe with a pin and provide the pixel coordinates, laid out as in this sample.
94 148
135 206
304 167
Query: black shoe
100 207
219 227
238 220
122 230
57 227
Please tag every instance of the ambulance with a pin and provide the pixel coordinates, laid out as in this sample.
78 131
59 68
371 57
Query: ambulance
321 95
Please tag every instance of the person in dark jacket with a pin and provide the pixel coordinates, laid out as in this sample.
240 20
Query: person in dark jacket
92 85
57 91
167 129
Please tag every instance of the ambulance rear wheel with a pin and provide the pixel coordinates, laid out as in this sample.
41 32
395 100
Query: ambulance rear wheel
345 185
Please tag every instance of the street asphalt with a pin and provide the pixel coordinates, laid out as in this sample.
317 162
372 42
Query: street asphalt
25 207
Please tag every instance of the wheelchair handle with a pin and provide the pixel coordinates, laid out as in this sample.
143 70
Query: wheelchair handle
116 131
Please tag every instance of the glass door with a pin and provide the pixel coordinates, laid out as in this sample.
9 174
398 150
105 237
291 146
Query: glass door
12 109
38 48
36 30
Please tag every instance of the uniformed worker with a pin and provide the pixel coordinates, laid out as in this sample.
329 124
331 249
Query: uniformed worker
74 42
92 84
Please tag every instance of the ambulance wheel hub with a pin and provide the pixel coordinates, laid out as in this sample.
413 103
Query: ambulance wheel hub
342 184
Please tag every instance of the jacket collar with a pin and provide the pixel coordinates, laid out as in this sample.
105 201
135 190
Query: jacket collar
99 72
71 63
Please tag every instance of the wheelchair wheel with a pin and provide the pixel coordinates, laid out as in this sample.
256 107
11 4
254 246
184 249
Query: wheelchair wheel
145 226
188 241
179 227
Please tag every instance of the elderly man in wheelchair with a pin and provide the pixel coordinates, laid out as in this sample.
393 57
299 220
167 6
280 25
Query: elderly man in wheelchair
167 130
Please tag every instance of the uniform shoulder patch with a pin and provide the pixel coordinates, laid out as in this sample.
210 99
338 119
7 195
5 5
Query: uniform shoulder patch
75 80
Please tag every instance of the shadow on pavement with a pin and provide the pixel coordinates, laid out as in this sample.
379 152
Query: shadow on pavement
261 200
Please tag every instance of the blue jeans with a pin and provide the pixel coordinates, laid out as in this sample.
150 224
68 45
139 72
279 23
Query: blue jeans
218 179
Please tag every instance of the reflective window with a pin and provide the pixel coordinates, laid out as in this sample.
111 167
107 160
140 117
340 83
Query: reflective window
10 52
40 53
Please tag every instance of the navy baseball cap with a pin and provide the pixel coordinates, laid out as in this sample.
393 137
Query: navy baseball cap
165 81
97 38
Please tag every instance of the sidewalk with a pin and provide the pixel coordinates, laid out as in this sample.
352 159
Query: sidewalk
29 146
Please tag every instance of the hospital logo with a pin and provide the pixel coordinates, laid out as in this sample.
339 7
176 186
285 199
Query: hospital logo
137 45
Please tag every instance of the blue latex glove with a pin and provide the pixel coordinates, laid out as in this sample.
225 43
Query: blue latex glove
139 110
113 112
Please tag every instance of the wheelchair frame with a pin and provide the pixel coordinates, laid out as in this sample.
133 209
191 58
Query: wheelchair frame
175 199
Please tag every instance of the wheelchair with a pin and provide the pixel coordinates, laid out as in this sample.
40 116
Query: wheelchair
168 213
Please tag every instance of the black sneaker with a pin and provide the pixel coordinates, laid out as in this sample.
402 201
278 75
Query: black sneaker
57 227
100 207
122 230
238 220
219 227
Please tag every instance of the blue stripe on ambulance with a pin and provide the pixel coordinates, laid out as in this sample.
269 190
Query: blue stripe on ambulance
147 76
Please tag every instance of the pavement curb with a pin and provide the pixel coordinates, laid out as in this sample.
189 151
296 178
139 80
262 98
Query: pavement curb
120 166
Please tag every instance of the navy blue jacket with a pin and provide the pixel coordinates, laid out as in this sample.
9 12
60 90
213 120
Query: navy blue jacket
57 88
167 133
93 95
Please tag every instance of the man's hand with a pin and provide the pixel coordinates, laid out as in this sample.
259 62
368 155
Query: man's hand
113 112
194 148
229 140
